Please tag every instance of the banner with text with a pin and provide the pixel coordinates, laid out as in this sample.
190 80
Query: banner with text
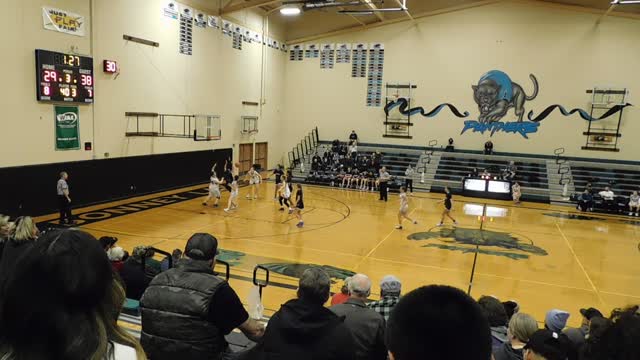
63 21
67 128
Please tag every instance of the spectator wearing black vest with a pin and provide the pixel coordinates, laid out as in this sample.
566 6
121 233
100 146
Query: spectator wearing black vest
303 328
188 310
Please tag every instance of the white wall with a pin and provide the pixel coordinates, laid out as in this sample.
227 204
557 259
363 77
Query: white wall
446 54
215 80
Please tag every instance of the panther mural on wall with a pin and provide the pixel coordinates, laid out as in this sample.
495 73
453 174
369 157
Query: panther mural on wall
495 95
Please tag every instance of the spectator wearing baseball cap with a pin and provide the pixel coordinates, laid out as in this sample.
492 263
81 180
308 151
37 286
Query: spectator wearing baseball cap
547 345
556 320
578 335
187 310
390 289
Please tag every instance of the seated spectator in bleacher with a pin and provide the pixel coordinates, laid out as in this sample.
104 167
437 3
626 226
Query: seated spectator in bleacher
511 170
366 326
516 192
585 202
589 188
115 255
6 231
619 341
556 320
521 328
61 301
303 328
511 308
608 197
327 158
488 148
377 160
136 278
390 289
24 236
176 254
578 335
335 146
497 316
353 150
107 242
474 173
548 345
408 180
188 310
316 162
438 322
634 204
353 136
597 328
343 295
450 147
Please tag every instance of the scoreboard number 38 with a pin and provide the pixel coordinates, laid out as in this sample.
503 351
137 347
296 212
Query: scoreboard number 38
64 77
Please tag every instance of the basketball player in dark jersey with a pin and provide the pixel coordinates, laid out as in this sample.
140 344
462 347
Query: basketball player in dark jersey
448 205
299 205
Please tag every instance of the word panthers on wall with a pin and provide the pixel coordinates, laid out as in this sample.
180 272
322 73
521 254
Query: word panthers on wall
495 95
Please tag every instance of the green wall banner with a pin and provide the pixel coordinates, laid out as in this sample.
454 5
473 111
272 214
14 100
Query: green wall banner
67 124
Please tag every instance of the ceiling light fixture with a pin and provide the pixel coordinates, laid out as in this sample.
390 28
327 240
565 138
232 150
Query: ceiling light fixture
290 11
625 2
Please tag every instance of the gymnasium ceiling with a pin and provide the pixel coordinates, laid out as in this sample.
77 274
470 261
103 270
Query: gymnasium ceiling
317 22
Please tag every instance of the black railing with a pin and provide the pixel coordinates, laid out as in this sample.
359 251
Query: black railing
304 148
260 283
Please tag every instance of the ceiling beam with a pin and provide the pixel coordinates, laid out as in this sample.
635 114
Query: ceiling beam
373 7
406 11
606 13
352 29
247 4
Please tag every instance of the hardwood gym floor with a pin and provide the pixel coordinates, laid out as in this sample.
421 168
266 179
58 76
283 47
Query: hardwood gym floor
540 255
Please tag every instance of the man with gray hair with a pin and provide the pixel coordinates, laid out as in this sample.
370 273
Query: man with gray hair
366 325
304 328
390 288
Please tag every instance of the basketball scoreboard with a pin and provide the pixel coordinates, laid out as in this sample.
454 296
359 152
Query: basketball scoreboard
488 187
64 77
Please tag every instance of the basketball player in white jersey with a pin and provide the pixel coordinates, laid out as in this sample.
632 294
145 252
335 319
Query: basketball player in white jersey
214 188
233 196
404 208
254 181
284 195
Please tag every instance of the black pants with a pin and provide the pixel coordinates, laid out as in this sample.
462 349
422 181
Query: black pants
64 206
584 205
285 201
383 190
408 184
610 205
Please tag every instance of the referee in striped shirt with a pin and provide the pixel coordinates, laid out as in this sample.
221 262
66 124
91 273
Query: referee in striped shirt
64 201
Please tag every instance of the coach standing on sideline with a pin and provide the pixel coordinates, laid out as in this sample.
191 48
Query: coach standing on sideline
384 179
64 201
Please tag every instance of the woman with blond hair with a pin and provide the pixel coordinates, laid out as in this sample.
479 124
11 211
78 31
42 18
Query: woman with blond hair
61 301
6 230
24 235
521 327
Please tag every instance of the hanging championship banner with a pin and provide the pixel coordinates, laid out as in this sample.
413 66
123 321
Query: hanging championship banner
67 128
63 21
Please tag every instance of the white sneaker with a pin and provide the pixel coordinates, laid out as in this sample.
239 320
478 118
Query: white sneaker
440 224
226 210
455 223
399 227
630 214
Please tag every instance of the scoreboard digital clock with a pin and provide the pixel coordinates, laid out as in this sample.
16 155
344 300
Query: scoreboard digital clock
64 77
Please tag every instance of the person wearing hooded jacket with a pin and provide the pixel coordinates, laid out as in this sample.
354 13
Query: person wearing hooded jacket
303 328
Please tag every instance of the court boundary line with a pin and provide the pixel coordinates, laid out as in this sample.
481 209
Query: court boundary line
575 256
